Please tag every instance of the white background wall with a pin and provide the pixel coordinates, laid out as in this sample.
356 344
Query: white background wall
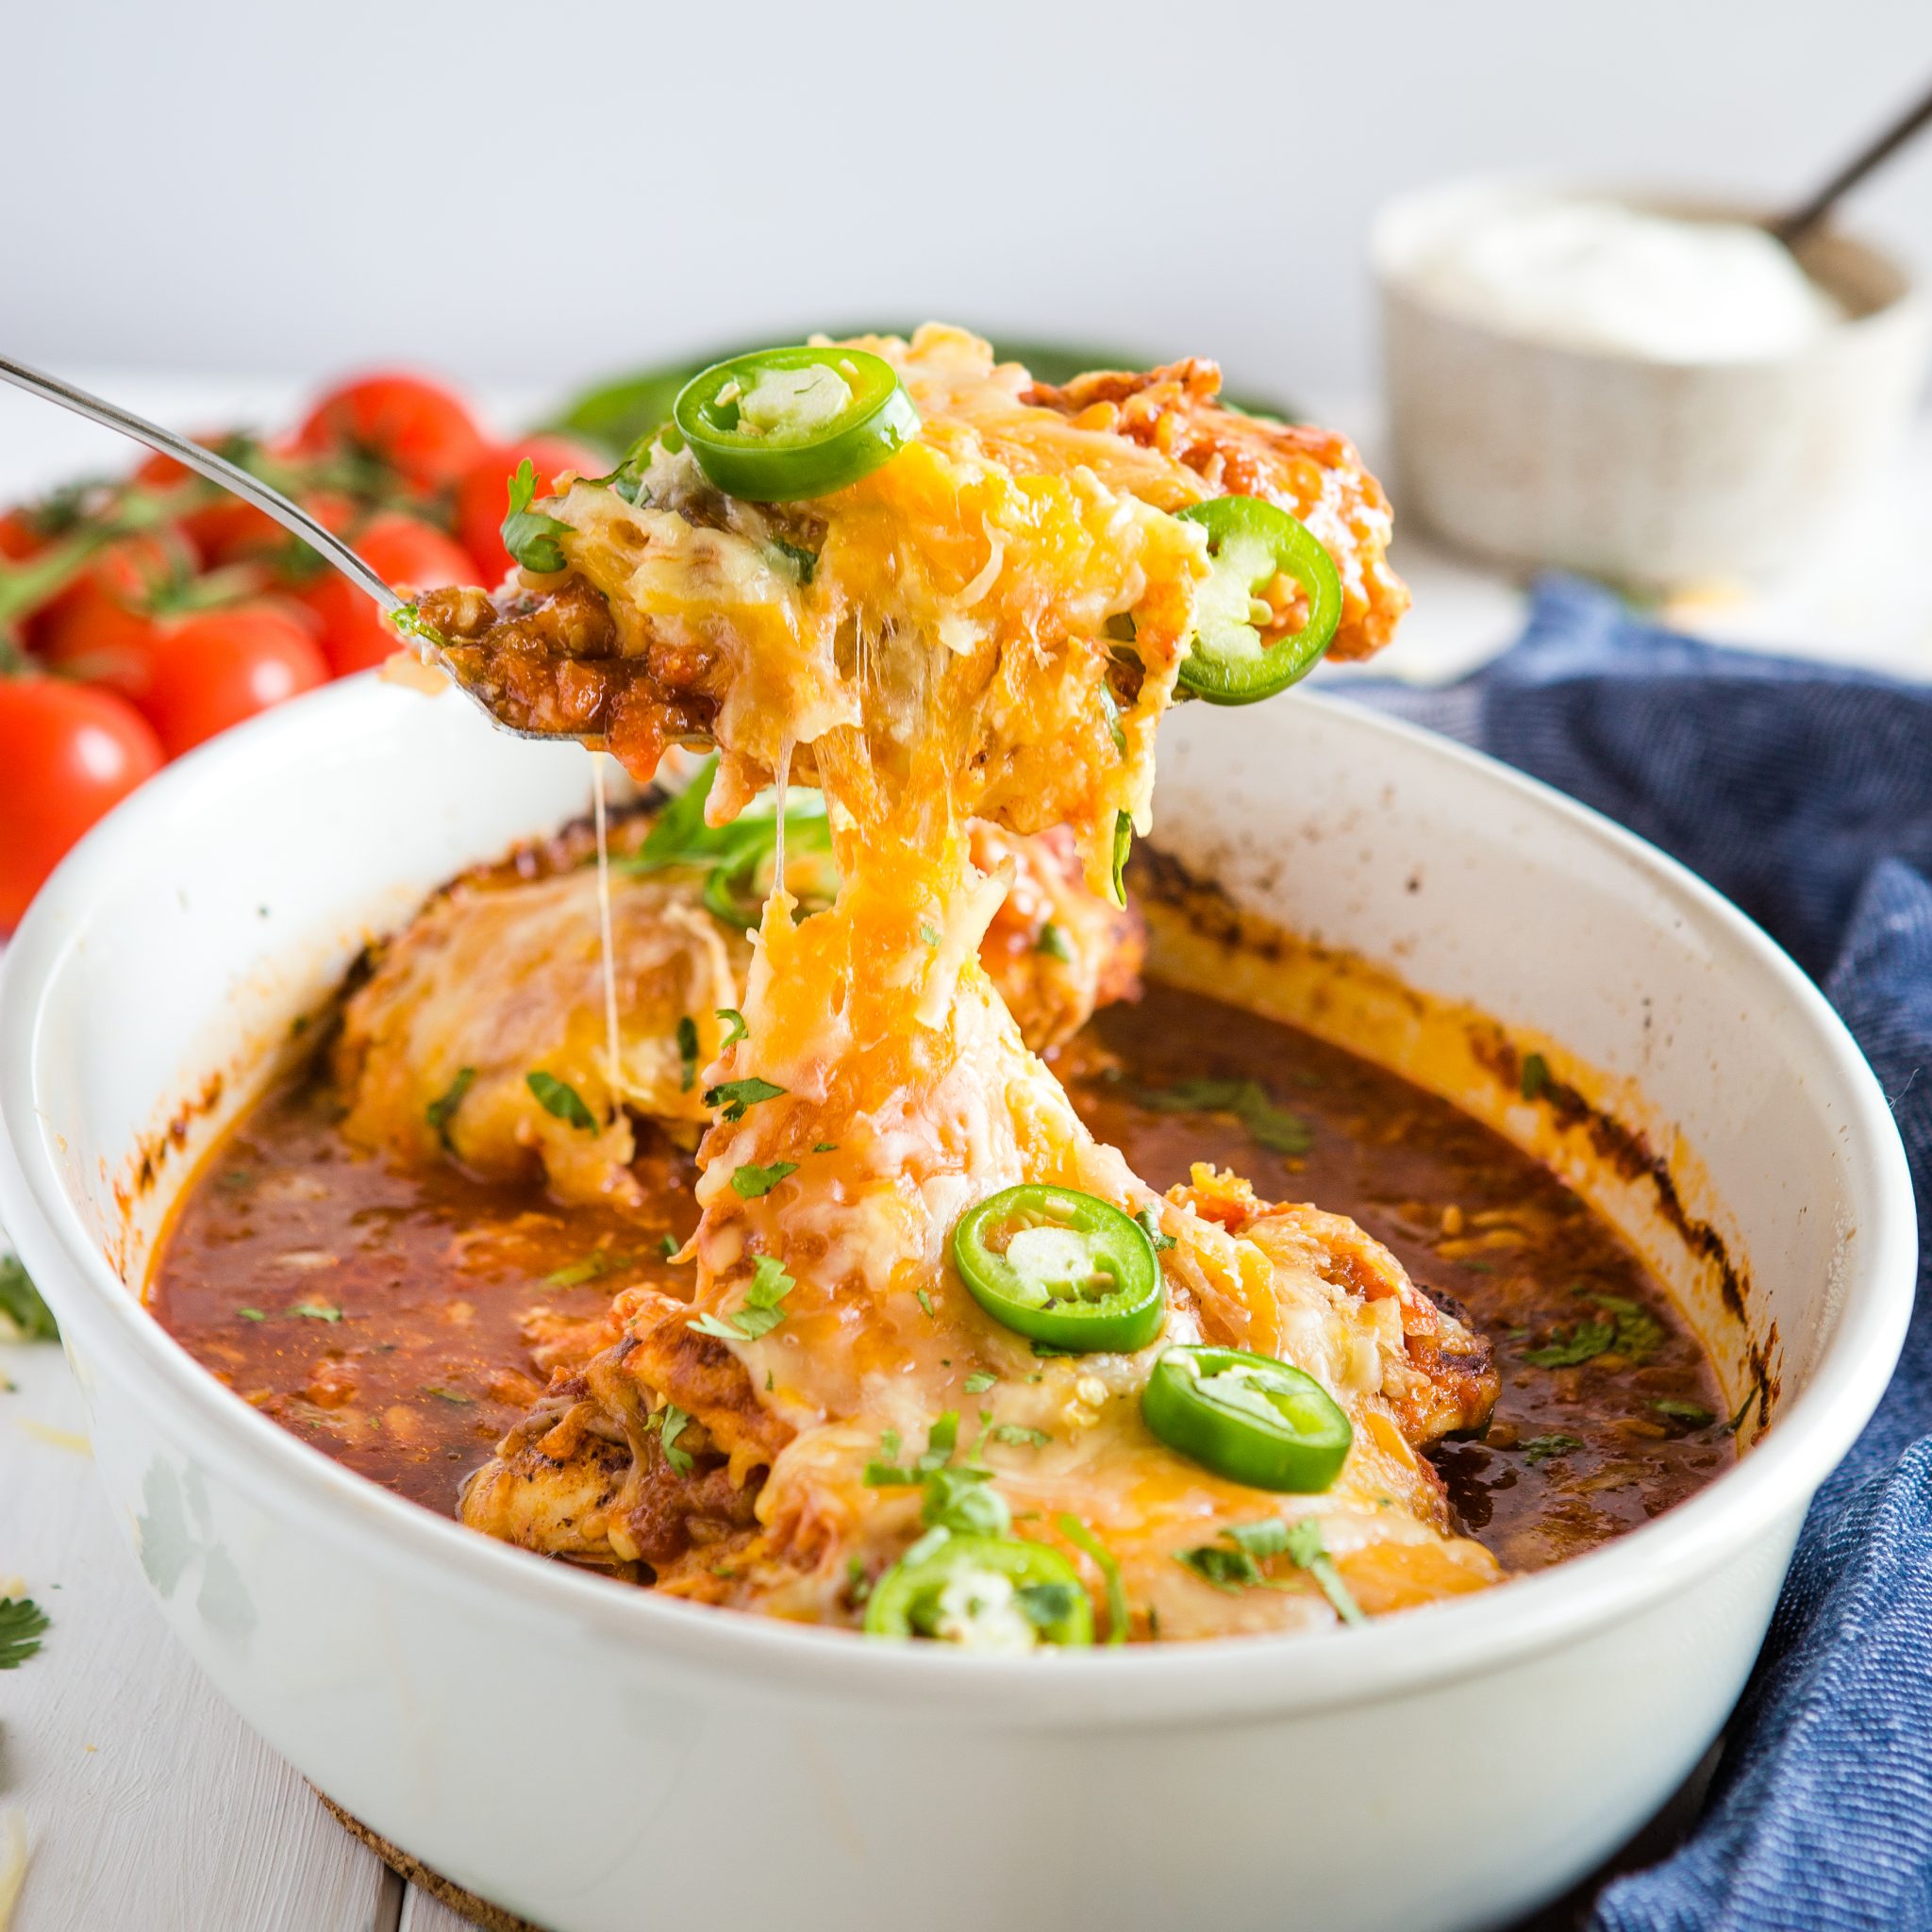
515 187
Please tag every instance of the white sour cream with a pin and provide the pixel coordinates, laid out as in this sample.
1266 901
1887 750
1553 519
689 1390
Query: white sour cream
1597 276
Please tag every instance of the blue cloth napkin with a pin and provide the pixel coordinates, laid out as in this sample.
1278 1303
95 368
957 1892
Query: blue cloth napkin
1805 794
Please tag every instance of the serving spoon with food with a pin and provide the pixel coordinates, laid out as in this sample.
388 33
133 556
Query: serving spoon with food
399 610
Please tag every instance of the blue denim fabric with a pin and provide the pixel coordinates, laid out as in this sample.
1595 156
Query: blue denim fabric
1805 794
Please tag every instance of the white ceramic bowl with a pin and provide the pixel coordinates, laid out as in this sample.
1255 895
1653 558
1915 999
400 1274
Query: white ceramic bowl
594 1757
1660 475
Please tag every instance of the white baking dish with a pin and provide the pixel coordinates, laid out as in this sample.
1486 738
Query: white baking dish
596 1759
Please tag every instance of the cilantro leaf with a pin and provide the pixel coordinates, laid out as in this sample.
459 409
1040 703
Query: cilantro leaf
1123 844
1045 1604
1082 1537
439 1111
979 1381
1054 943
21 1624
734 1022
316 1311
1546 1448
529 535
734 1096
1016 1436
558 1097
687 1053
1582 1343
1150 1223
1268 1125
805 563
761 1310
1640 1334
21 1310
1306 1551
751 1181
1226 1569
671 1423
1692 1414
1235 1562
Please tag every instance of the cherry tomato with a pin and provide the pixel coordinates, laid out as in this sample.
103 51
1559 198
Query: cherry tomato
402 551
215 668
483 495
17 535
92 625
417 427
66 755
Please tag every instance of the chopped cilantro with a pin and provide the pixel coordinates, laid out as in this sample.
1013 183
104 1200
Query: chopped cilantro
1306 1551
751 1180
929 933
1123 844
1235 1563
1536 1075
924 1300
805 563
251 1314
1692 1414
671 1423
556 1097
21 1624
1150 1222
762 1308
687 1053
316 1311
439 1111
1054 943
1268 1125
1082 1537
979 1381
824 1147
1544 1448
528 535
451 1395
1581 1344
669 1246
734 1096
858 1584
23 1316
1045 1604
1019 1438
734 1025
1640 1334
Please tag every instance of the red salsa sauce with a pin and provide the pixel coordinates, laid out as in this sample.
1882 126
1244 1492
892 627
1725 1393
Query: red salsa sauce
383 1312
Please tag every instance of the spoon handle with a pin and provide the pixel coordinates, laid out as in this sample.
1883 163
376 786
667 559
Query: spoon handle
1791 228
206 463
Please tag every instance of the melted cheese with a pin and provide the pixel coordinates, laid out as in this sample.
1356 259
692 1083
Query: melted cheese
953 655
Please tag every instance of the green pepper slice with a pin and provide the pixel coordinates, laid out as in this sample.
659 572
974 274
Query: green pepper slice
782 424
1247 1417
1251 543
984 1593
1062 1267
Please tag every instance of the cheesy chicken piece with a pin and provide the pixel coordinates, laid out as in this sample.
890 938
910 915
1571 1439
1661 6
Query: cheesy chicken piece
500 978
992 624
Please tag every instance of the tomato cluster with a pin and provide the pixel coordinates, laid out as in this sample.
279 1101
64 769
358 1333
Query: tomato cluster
140 616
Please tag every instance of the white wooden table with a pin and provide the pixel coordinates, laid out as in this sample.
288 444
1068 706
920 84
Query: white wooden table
149 1805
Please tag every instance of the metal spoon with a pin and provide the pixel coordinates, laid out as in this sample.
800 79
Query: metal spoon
251 490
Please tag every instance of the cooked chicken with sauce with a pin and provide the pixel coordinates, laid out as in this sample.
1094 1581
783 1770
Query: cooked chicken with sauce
910 1347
